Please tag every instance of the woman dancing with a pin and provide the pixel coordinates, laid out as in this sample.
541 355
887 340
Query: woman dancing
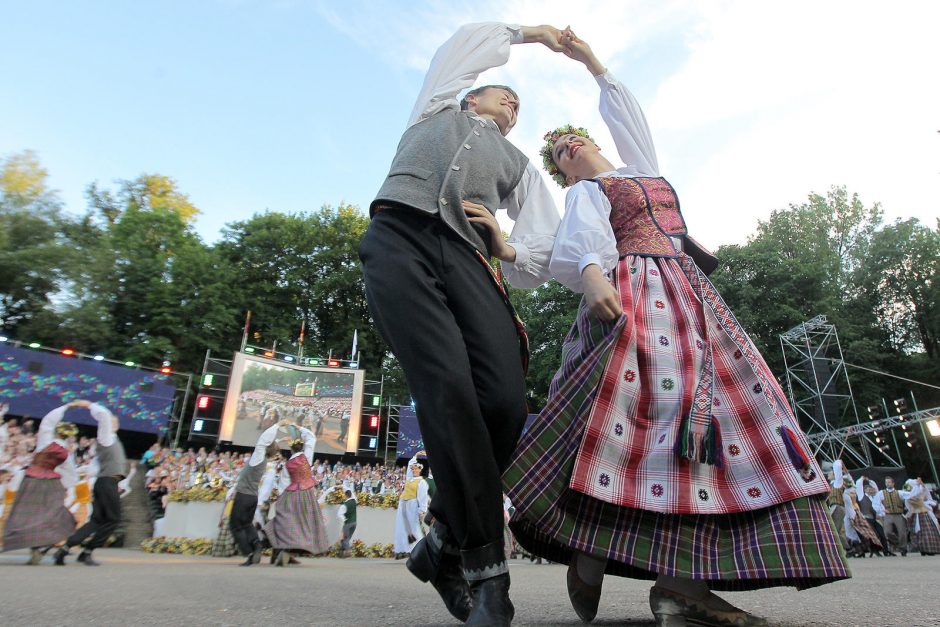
298 525
39 518
667 450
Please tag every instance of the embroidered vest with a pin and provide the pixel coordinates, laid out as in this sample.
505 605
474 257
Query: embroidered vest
892 502
644 213
449 157
410 490
45 461
867 509
835 497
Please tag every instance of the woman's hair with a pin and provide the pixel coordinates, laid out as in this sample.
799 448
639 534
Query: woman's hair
296 445
548 162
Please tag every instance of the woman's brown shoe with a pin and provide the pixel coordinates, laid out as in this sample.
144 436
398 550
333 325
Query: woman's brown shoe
672 609
584 598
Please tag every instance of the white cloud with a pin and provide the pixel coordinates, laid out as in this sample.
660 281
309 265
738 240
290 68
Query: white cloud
768 102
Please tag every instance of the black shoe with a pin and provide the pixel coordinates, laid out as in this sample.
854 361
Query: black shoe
85 558
60 556
584 597
429 563
248 562
274 555
490 600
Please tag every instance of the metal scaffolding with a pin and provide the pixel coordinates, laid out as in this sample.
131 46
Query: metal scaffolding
821 393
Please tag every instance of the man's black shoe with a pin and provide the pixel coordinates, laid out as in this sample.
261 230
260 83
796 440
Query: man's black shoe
60 556
85 558
429 563
491 604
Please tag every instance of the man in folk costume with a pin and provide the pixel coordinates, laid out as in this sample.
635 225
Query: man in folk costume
836 502
241 520
347 518
445 314
412 505
112 469
39 518
895 525
866 492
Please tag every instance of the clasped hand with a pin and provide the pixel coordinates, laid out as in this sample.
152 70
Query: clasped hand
478 214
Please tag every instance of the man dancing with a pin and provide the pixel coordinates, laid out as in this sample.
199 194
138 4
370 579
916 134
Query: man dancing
112 468
434 299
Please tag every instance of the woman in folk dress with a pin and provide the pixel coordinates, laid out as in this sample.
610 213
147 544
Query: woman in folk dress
666 450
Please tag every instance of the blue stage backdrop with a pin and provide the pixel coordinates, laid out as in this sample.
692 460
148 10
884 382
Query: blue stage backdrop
34 383
409 434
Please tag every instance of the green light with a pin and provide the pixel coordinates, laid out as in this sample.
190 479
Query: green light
34 345
207 380
376 401
315 362
129 364
249 349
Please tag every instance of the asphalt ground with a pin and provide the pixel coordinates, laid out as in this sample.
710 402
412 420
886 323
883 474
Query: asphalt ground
136 588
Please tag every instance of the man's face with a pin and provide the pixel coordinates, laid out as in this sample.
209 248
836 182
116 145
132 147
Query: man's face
889 482
498 105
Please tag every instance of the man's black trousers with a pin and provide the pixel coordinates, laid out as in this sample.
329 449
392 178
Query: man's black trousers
241 522
442 315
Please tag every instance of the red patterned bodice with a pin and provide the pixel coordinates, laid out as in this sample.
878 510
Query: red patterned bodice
301 476
644 213
45 461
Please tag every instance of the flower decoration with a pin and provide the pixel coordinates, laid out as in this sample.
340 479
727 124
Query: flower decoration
656 490
618 429
629 376
66 430
703 494
734 450
668 384
604 479
546 151
754 493
663 340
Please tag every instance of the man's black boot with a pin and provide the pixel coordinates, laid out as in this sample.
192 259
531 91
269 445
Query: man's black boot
491 604
429 562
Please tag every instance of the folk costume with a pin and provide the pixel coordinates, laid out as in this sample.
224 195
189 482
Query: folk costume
858 529
245 498
297 525
106 510
412 506
925 532
666 446
895 525
444 311
38 517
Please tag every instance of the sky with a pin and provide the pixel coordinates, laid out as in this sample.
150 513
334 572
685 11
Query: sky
290 105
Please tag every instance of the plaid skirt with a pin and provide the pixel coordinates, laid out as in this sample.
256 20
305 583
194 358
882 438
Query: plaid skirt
925 534
738 538
298 523
39 517
224 544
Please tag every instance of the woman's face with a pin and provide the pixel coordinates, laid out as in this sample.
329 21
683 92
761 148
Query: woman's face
570 155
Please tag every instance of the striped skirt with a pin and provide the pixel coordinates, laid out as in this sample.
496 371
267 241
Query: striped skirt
39 517
298 523
784 536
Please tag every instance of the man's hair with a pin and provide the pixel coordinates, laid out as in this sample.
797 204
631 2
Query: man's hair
273 450
348 492
464 105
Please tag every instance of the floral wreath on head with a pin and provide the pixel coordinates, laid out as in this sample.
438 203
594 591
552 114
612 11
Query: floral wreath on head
546 151
66 430
294 442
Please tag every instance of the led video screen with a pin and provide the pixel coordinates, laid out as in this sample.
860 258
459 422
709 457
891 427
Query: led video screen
261 392
34 383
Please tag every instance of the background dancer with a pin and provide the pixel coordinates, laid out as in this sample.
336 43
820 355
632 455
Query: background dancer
39 518
106 507
412 505
246 494
895 525
925 532
298 525
666 450
434 300
347 517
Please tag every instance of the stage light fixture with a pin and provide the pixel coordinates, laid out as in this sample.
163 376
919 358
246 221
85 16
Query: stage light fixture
98 357
333 363
249 349
129 364
207 380
910 445
314 362
34 344
197 426
3 338
373 422
268 353
354 364
68 352
376 401
288 358
203 402
165 370
373 442
933 427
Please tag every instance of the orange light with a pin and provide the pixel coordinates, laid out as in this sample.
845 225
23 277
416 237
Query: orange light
333 363
165 370
68 352
203 402
268 354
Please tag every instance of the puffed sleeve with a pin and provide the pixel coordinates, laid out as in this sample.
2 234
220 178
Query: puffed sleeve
624 117
584 237
536 219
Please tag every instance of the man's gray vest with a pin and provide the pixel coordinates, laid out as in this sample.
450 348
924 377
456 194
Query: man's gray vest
111 459
449 157
864 504
249 478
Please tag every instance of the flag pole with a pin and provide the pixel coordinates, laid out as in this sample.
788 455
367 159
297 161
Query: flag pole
245 332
